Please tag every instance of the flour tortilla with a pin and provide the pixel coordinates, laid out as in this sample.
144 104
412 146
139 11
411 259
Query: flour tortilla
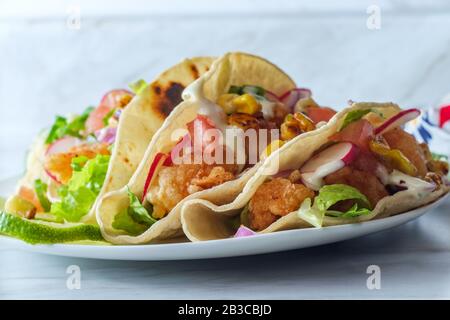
138 123
231 69
203 220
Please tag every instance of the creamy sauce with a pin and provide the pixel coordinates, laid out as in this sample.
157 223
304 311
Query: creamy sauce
267 108
194 93
314 180
419 187
320 124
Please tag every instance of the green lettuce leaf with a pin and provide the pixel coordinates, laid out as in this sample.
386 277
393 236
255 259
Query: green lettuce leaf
255 90
63 127
330 195
80 193
78 163
108 116
138 86
353 116
135 219
41 191
123 221
138 212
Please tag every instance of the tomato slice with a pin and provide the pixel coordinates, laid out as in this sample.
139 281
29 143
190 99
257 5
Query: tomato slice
114 99
320 114
360 133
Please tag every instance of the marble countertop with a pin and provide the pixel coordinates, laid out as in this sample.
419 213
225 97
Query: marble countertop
48 67
414 260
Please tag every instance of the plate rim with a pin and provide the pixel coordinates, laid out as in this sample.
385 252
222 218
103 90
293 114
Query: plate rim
58 249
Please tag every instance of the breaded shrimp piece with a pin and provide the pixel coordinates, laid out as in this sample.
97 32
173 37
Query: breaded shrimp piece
274 199
175 183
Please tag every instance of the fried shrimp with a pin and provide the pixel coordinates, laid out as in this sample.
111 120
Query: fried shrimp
366 182
408 145
177 182
275 199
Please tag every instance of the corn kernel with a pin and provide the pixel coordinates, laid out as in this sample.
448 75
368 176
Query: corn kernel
246 103
305 123
289 131
294 125
226 102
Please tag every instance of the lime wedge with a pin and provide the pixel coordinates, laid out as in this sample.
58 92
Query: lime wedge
34 231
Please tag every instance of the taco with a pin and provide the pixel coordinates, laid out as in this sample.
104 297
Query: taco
360 166
82 157
192 156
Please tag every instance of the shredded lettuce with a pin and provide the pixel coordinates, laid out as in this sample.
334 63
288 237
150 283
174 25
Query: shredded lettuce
138 86
123 221
80 193
135 219
79 162
41 191
330 195
108 116
63 127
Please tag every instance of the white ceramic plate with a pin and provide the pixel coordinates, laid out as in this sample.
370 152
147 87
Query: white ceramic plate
258 244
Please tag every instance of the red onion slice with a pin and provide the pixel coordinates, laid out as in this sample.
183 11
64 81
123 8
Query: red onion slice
290 98
243 231
106 135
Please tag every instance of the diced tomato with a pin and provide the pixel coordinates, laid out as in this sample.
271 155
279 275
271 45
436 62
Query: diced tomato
29 195
320 114
197 130
115 99
359 133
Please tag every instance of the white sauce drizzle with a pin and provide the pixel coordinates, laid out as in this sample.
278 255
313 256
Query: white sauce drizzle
419 187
